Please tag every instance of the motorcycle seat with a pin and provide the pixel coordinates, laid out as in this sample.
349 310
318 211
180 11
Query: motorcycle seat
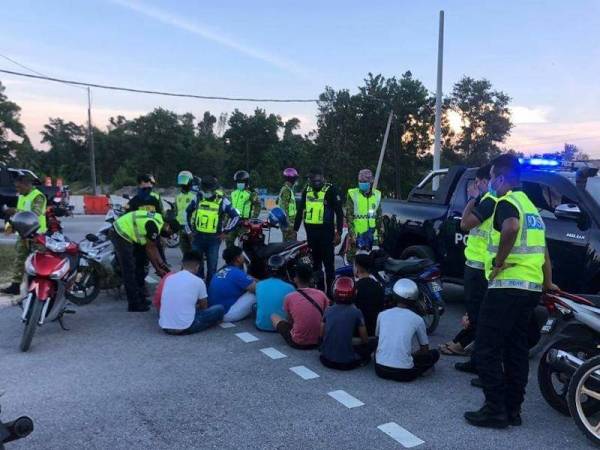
272 249
406 266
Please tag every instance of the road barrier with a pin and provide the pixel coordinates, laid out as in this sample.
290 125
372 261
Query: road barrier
95 204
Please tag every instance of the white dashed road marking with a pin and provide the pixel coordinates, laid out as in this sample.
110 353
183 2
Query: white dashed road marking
272 353
401 435
247 337
304 372
226 325
345 399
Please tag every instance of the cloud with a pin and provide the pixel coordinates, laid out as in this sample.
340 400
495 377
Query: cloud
211 35
524 114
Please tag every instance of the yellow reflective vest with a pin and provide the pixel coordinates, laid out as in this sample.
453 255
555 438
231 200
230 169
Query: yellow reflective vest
477 242
132 226
240 199
182 201
24 203
365 210
314 210
207 213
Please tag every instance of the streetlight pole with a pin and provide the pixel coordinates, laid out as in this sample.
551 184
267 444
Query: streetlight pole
437 146
91 144
382 152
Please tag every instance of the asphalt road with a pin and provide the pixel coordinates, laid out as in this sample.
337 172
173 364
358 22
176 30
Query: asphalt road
114 380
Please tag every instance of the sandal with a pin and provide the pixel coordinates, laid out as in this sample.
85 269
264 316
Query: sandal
452 349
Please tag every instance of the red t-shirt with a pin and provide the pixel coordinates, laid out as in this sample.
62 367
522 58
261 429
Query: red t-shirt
158 293
306 318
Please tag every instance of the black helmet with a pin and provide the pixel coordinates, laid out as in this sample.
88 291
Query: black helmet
241 176
275 264
25 223
209 183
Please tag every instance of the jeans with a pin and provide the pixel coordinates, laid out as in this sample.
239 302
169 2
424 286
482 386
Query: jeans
502 346
207 245
206 318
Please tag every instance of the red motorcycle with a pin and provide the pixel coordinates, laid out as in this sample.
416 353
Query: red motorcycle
257 252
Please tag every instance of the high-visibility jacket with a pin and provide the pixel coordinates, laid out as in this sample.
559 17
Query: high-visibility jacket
132 226
477 242
314 211
365 210
182 201
526 259
240 199
24 203
206 216
291 207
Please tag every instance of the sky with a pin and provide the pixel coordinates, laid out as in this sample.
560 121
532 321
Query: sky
544 54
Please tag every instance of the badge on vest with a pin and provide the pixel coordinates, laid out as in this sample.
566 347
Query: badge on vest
534 222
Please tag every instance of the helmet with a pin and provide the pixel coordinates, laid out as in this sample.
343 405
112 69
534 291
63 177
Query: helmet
209 183
278 218
343 289
241 176
365 176
184 178
275 263
406 289
290 174
25 223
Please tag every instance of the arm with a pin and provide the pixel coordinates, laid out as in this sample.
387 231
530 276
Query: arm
508 236
234 217
202 303
255 200
349 207
547 268
284 200
300 211
189 216
379 223
362 332
338 210
252 288
37 205
159 265
469 220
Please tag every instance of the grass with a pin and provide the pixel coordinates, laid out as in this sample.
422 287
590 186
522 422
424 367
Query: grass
7 256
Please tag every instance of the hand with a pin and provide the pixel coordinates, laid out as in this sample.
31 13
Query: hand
472 191
550 287
496 271
8 229
465 321
222 236
336 238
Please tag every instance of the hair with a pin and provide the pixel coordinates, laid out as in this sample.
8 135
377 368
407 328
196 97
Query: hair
191 258
304 273
508 166
315 171
24 179
143 178
231 253
483 173
364 261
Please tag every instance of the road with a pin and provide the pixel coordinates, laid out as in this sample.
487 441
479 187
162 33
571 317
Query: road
114 380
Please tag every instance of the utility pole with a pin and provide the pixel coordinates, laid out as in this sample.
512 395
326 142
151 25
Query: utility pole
382 152
247 157
437 146
91 144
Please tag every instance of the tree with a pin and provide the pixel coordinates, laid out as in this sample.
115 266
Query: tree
68 156
10 127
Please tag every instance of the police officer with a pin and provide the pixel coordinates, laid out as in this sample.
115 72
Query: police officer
286 200
206 217
321 210
139 229
146 199
182 201
517 267
33 200
363 212
245 201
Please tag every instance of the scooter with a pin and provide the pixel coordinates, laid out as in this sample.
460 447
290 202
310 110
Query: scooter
16 429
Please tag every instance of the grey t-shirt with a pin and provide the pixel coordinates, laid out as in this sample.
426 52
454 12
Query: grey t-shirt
396 328
341 321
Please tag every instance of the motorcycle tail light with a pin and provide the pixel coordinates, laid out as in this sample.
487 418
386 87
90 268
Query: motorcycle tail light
29 267
61 271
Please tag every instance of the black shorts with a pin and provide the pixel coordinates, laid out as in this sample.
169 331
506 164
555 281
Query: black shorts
284 328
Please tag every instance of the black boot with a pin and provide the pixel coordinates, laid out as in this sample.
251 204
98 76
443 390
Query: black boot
487 417
514 418
466 366
476 382
13 289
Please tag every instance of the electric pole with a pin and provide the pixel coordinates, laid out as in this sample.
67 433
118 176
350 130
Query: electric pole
437 146
91 144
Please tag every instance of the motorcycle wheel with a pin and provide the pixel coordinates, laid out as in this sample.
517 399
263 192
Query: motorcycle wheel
33 317
582 388
86 290
554 384
173 241
429 311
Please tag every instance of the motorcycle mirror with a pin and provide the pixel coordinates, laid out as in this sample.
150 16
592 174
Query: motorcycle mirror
92 237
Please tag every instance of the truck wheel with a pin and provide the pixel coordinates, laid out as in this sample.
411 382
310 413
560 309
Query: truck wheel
418 252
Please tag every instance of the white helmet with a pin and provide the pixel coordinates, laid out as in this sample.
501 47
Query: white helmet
406 289
184 178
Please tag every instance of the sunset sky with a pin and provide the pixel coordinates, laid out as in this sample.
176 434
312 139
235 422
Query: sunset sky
544 54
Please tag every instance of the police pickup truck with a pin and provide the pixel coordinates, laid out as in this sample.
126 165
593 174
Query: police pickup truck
427 224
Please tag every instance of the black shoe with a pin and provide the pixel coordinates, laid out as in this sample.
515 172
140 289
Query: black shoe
13 289
514 419
466 367
476 382
487 417
138 308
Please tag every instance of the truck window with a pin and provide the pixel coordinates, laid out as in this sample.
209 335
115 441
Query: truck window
546 198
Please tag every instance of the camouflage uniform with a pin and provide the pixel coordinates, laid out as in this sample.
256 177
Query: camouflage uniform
283 201
349 213
255 208
23 246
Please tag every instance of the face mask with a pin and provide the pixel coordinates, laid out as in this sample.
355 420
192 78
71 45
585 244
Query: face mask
144 192
241 186
491 189
208 194
364 186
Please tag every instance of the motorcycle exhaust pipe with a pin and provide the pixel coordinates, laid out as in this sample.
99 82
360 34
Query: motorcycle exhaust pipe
18 428
563 362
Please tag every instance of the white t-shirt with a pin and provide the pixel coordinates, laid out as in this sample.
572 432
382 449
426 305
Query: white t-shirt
396 328
180 294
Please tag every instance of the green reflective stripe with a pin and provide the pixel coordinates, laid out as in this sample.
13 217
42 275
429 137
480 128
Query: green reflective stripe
514 284
475 264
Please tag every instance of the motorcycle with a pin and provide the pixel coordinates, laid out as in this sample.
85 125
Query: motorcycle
585 385
16 429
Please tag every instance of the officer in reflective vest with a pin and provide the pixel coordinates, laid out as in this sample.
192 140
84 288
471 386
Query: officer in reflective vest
211 217
320 208
29 199
477 221
141 229
518 268
146 199
246 202
286 200
363 214
182 201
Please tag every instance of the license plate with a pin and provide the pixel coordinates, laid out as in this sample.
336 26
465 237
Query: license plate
548 326
435 286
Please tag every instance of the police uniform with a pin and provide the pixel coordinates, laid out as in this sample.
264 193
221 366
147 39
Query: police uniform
247 203
363 213
34 202
130 231
286 200
501 343
182 201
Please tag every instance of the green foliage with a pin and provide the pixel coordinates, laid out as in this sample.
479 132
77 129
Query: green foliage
10 128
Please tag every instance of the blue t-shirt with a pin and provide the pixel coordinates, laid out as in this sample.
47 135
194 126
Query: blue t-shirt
269 300
341 322
227 285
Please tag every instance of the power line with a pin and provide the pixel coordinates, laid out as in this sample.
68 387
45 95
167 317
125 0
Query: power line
30 69
168 94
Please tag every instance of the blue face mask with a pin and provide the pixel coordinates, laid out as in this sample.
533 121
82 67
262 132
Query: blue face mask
144 192
364 187
492 190
241 186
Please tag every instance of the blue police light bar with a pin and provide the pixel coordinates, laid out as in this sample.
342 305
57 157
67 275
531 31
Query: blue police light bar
539 162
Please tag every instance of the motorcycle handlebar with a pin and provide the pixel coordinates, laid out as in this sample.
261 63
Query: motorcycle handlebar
18 428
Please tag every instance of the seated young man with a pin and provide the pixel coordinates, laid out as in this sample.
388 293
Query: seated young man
305 309
232 288
340 322
182 301
369 292
396 328
270 294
